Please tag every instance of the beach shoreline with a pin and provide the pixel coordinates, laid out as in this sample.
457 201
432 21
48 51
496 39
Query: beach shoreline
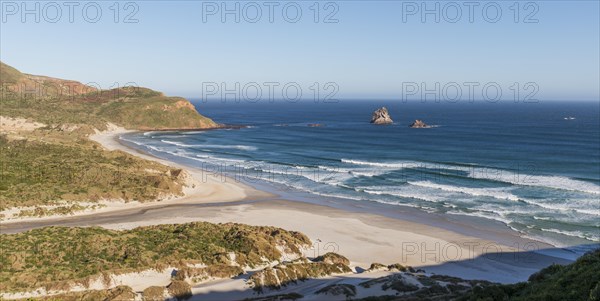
362 237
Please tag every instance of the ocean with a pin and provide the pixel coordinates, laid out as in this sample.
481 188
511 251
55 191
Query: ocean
532 166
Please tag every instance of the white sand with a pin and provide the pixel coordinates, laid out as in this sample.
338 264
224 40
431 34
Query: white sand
10 124
363 238
201 187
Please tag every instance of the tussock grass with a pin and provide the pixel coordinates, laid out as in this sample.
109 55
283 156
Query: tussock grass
56 257
36 172
287 273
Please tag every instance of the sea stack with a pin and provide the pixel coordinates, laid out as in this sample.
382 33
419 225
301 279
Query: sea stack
418 124
381 116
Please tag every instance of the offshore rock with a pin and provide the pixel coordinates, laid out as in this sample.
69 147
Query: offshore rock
419 124
381 116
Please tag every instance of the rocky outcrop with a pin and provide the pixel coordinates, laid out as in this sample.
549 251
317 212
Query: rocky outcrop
419 124
381 116
299 270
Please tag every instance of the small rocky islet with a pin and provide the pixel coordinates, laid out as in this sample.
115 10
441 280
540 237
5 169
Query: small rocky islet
419 124
382 116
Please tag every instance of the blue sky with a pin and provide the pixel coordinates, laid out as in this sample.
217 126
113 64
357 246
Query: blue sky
369 53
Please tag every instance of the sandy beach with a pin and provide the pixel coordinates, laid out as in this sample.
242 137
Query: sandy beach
336 150
364 238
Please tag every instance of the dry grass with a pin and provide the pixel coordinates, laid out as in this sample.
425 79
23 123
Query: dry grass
56 257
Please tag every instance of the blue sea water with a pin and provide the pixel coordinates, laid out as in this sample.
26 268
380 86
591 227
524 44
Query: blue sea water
534 167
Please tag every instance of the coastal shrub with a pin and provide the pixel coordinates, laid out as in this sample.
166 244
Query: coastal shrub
214 271
52 255
399 267
154 293
433 290
119 293
280 297
577 282
376 266
179 289
400 285
347 290
595 293
333 258
286 273
38 172
59 163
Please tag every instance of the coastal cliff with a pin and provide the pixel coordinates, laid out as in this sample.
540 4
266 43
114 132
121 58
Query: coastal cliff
55 102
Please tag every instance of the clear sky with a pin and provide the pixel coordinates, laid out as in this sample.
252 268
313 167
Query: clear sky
372 51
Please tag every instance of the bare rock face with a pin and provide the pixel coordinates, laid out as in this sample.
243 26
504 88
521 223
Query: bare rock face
381 116
418 124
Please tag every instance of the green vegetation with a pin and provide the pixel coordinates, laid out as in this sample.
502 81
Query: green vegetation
152 111
181 290
286 273
577 281
333 258
376 266
56 257
154 293
130 107
46 170
9 74
412 286
58 164
280 297
347 290
119 293
399 267
215 271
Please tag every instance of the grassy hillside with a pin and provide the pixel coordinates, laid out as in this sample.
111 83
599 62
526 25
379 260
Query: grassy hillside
9 74
152 111
58 163
54 256
57 101
21 85
41 172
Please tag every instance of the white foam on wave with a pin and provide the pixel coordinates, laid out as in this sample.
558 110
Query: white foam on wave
406 192
175 143
485 214
588 236
389 165
364 172
591 206
585 206
187 133
493 174
554 182
153 148
497 193
240 147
